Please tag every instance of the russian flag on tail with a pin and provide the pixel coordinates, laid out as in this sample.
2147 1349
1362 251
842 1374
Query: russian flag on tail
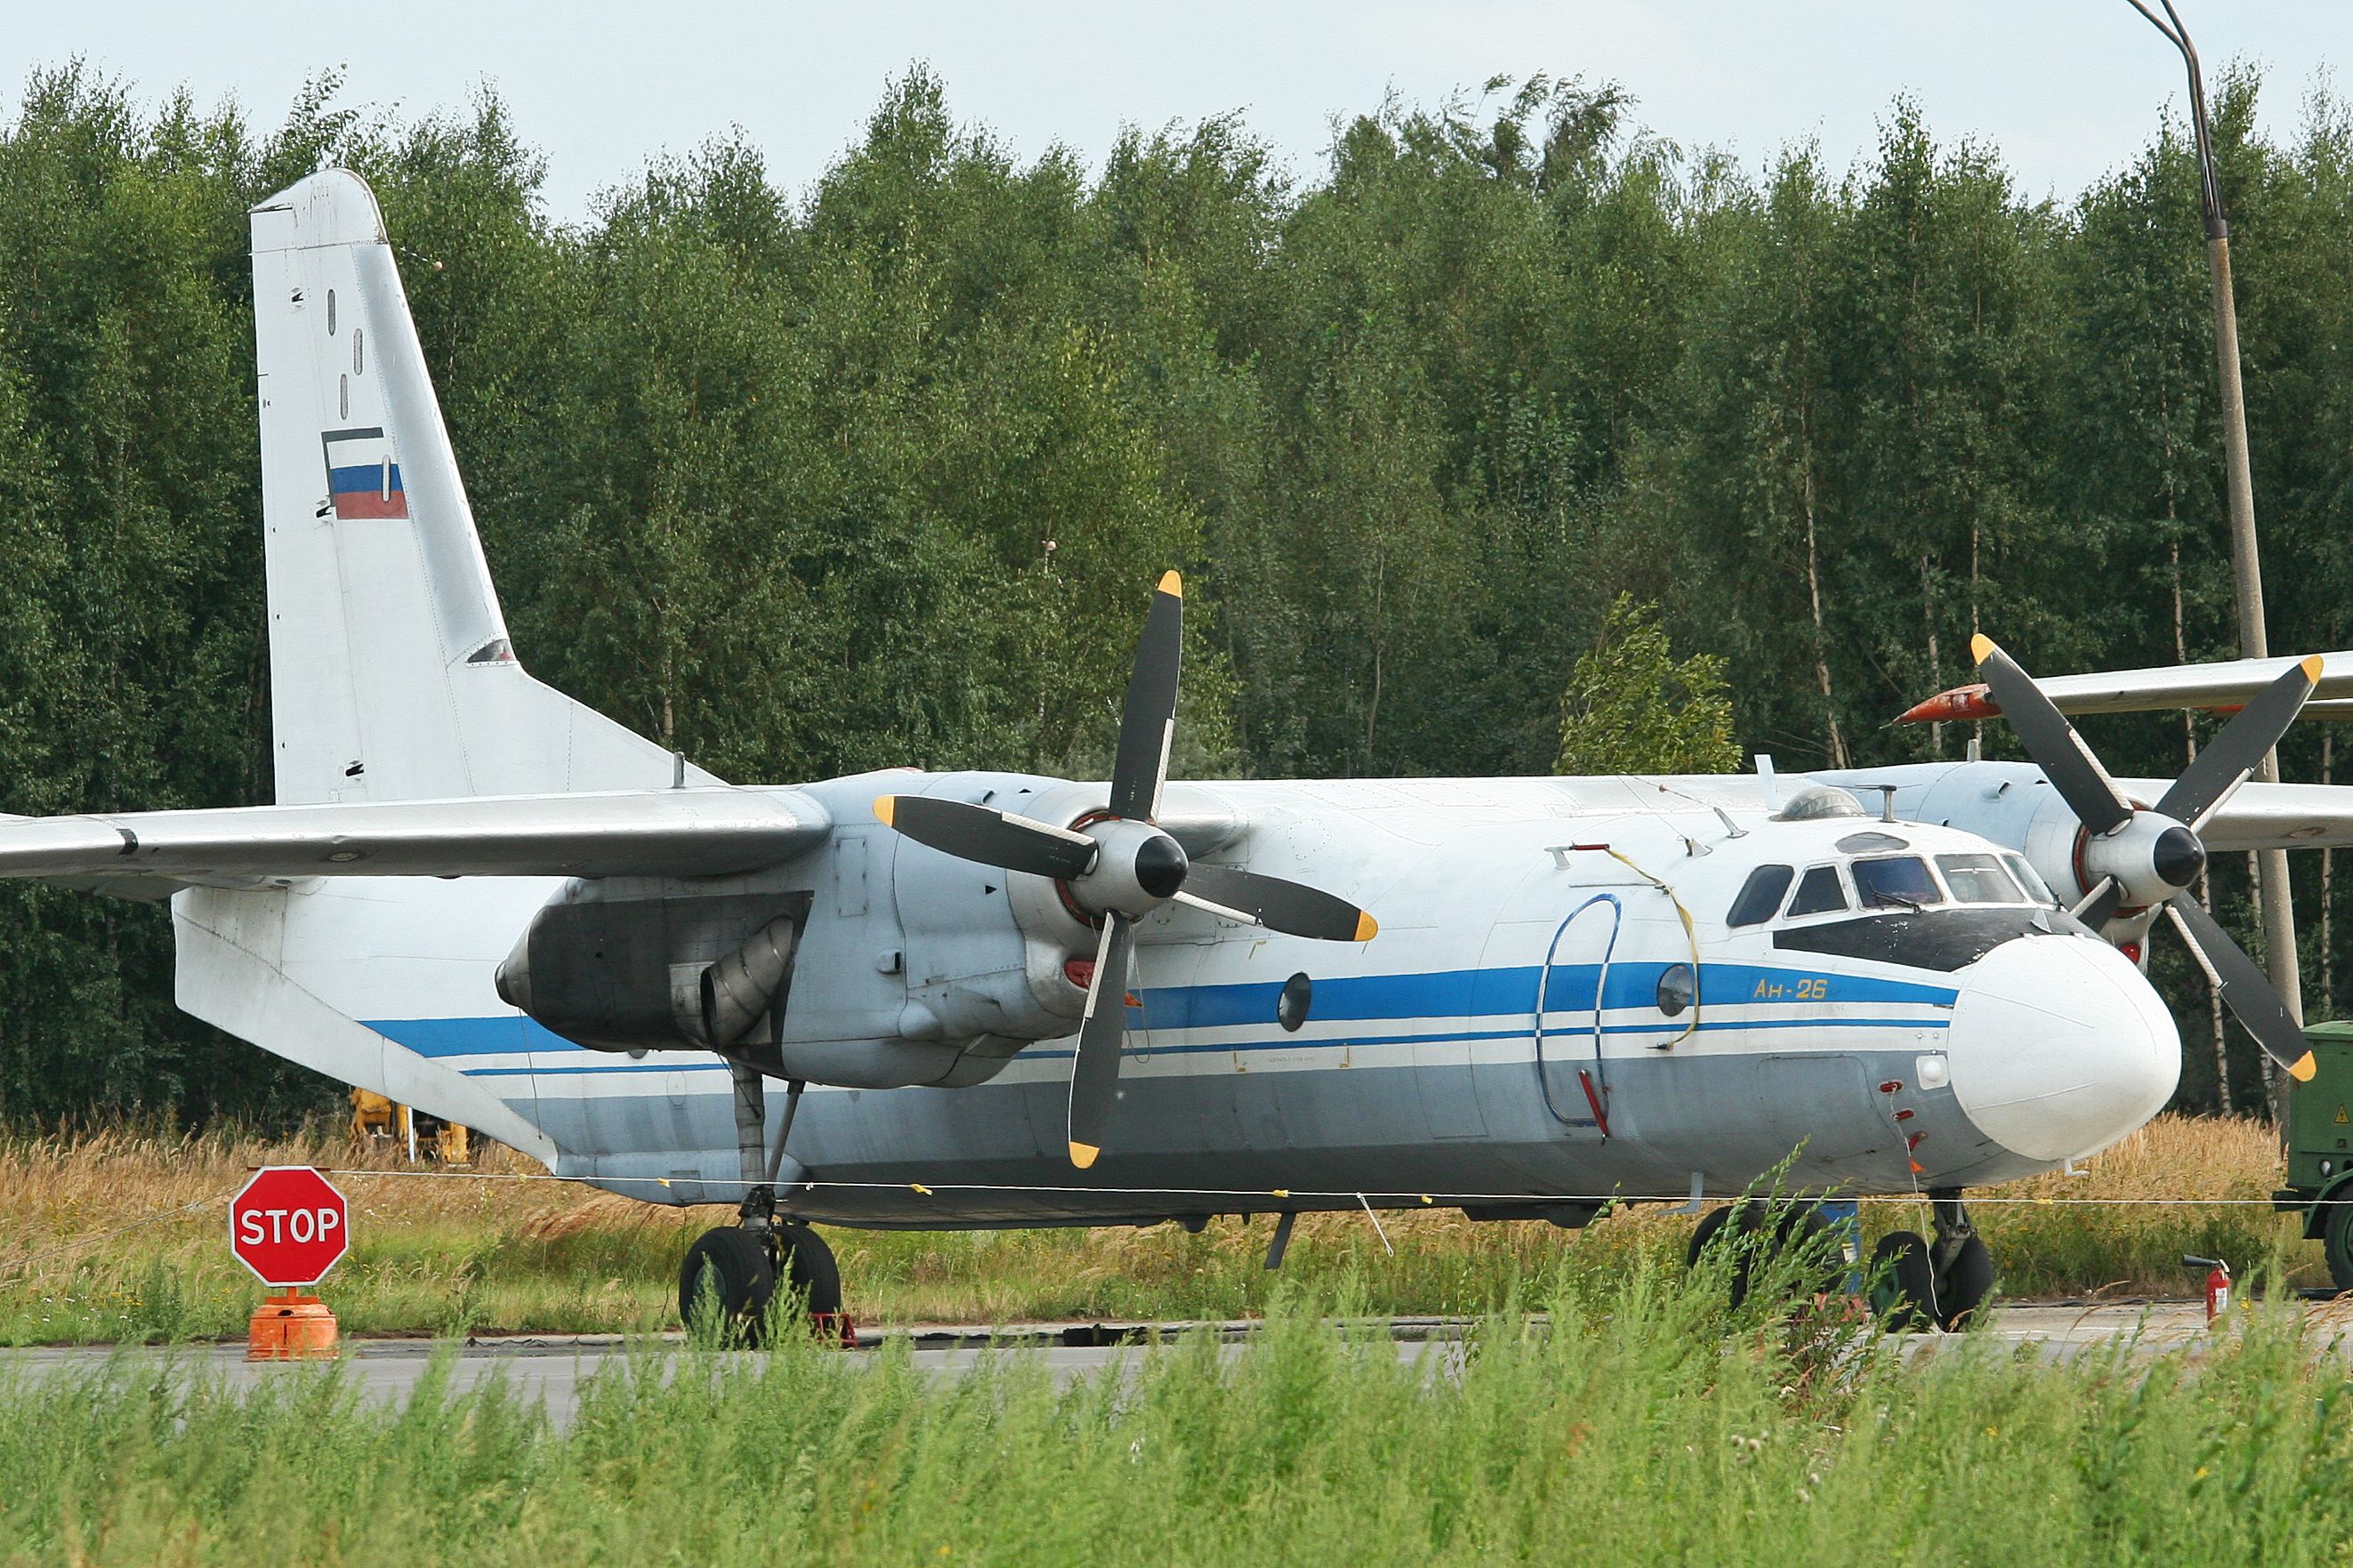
363 478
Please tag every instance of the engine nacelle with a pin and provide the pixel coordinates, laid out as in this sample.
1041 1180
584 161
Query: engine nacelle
630 965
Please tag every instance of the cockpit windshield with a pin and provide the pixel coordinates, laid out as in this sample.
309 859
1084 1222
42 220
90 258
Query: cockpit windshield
1819 893
1759 896
1980 880
1895 882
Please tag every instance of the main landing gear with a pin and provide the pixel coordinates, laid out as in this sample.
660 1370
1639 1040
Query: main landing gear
1913 1284
739 1267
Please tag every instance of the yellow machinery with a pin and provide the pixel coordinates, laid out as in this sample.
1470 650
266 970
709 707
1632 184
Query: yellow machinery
375 1119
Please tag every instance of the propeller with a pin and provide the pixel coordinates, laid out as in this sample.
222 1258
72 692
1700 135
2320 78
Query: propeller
1119 867
2128 855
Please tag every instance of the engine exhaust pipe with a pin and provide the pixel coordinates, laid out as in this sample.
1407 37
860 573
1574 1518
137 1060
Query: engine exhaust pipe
738 990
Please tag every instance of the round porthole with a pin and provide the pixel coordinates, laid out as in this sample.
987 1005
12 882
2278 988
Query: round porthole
1291 1007
1678 989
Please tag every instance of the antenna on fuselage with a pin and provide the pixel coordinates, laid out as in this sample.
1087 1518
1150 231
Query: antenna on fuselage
1767 781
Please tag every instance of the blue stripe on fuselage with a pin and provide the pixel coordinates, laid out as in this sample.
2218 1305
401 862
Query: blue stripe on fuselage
1371 998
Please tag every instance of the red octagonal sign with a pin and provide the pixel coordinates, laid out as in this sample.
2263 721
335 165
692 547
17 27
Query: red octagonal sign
289 1225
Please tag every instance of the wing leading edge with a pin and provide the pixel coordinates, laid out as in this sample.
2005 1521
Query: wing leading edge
673 833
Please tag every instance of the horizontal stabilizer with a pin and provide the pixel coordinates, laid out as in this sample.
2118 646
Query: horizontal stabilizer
652 833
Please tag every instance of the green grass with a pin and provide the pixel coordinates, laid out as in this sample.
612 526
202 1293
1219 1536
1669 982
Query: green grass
1645 1424
491 1254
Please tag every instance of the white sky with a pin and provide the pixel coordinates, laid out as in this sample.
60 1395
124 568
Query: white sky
2067 87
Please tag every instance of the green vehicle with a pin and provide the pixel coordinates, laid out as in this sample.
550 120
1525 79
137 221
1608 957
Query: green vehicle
2320 1148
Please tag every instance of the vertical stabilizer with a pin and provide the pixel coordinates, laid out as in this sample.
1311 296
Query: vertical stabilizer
391 674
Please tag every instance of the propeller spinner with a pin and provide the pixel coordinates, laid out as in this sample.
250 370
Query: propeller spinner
2129 856
1119 867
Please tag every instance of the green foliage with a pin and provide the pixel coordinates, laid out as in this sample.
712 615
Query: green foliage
1639 1413
771 476
1632 708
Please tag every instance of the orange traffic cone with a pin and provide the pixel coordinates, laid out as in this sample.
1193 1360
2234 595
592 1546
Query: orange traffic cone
290 1326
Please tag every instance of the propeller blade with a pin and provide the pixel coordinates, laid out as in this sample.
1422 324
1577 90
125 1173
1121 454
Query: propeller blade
1292 908
2051 741
990 837
1102 1038
2100 903
2227 760
1149 720
2251 998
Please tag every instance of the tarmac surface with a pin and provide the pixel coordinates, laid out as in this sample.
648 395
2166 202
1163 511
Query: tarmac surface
553 1368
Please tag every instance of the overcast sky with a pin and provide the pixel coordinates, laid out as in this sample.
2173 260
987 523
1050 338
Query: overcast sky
2067 87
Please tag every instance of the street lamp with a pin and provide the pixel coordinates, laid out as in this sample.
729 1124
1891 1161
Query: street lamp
2247 566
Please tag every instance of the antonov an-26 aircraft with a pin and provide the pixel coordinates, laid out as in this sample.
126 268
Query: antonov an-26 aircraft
1016 1000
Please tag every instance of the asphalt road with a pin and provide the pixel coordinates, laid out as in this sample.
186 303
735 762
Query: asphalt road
553 1368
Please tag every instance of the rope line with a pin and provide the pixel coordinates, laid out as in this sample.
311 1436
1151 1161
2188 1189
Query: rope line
91 1240
1406 1197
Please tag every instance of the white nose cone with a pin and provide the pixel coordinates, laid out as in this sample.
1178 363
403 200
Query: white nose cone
2060 1047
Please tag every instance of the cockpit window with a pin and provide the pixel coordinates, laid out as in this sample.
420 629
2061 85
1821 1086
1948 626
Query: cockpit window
1819 893
1759 896
2030 878
1980 880
1896 882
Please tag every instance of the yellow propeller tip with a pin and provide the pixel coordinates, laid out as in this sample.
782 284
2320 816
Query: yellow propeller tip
1980 648
2303 1068
1366 927
1173 584
1082 1155
884 805
2312 668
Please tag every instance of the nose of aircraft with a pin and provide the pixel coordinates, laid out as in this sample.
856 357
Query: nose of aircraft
2059 1047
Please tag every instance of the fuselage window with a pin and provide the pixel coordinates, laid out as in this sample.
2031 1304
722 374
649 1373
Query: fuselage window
1759 896
2030 878
1980 880
1897 882
1819 893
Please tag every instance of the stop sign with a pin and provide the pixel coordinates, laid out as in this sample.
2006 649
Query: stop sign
288 1225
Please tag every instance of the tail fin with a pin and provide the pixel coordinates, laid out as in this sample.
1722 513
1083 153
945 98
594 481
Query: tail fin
391 674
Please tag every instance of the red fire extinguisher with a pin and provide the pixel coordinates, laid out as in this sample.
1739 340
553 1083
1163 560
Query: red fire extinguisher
2217 1284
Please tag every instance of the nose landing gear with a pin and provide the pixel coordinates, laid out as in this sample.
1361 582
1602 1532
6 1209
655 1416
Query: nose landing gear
739 1267
1913 1283
1916 1284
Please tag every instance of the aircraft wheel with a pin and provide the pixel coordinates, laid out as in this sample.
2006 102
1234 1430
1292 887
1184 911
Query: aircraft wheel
1709 1224
1964 1285
1902 1290
732 1263
1798 1224
806 1265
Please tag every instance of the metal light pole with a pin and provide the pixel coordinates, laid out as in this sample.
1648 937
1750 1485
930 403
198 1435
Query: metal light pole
2278 910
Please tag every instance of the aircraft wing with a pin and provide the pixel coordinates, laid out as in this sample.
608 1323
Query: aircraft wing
2269 816
674 833
2227 684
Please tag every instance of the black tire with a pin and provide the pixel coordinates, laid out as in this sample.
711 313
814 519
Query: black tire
737 1266
1710 1224
1902 1294
1795 1225
2336 1242
1964 1285
808 1269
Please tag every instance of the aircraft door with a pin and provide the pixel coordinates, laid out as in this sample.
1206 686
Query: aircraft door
1571 1074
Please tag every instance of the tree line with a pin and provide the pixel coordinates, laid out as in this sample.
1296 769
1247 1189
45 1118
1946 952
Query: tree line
881 471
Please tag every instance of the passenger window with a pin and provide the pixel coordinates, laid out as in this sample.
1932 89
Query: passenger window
1897 882
1759 896
1980 880
1819 893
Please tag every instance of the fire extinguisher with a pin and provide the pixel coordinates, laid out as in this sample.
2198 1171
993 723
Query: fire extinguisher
2217 1284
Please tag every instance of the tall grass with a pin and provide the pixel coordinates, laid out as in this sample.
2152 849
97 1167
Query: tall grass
1646 1425
485 1253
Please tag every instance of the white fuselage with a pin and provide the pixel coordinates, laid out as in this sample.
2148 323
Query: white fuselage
1555 1010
